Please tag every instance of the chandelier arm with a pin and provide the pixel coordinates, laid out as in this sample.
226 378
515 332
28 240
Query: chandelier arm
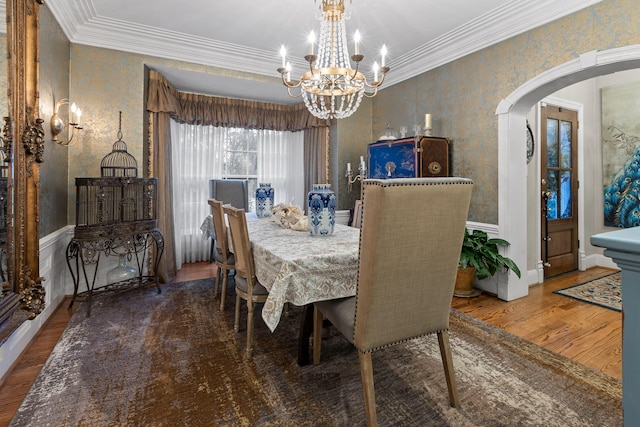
355 72
376 84
311 68
292 95
368 95
289 84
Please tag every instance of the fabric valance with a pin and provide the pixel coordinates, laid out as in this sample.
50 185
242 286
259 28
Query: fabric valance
226 112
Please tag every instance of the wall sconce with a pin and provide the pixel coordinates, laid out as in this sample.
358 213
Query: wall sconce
362 175
58 125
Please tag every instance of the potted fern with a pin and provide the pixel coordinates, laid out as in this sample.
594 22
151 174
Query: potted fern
480 257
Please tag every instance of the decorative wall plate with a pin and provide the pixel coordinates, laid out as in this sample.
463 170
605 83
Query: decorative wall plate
530 143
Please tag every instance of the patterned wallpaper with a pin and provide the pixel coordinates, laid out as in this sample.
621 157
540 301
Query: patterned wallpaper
105 82
54 85
462 96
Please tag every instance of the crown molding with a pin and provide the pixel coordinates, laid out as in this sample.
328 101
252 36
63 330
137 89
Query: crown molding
82 25
491 28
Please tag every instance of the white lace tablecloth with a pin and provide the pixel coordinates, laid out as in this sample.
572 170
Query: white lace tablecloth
207 228
299 268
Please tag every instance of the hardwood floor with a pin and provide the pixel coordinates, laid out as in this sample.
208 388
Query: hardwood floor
589 334
586 333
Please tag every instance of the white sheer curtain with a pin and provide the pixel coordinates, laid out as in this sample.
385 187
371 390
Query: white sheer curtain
198 155
280 163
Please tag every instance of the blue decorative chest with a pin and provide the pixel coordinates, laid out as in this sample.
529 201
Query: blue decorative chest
425 156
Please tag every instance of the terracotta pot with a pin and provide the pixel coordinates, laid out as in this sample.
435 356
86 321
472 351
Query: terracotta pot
464 282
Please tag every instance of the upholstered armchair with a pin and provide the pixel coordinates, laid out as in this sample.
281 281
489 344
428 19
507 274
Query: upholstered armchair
234 192
410 242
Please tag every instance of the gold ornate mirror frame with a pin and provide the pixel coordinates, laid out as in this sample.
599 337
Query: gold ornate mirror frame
25 136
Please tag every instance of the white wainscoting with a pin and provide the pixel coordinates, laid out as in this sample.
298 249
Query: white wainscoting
342 217
57 284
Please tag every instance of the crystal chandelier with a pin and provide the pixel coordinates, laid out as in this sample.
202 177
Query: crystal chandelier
331 89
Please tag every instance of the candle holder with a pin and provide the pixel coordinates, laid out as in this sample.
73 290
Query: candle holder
427 124
362 169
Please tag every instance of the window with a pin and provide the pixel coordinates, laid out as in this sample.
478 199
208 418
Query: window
202 153
241 159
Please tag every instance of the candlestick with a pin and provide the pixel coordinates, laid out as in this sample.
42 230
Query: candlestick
362 169
427 121
312 40
283 53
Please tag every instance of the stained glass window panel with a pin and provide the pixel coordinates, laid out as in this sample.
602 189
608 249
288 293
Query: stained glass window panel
565 195
565 144
552 188
552 143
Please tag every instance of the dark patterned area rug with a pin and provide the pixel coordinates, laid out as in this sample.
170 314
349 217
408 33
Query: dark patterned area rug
605 292
172 359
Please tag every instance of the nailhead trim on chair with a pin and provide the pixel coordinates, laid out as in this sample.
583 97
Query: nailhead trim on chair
401 341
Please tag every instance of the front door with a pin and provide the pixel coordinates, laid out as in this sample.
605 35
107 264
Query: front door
559 147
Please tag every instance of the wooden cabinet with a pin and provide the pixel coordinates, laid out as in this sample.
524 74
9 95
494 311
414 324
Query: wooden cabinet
435 158
424 156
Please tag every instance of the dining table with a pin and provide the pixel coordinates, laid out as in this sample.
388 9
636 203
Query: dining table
299 268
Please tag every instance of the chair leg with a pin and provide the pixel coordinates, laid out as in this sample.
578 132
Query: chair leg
318 318
366 373
215 288
449 373
250 307
236 321
223 291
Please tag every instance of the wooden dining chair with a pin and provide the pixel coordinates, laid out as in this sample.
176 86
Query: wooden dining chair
247 286
223 257
411 234
357 214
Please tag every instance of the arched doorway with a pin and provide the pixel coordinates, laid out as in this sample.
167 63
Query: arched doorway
511 112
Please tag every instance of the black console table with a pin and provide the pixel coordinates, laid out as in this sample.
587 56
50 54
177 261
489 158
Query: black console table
83 258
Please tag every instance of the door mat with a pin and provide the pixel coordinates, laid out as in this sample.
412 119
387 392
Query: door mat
605 292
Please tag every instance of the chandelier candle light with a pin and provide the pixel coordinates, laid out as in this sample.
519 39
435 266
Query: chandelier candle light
331 89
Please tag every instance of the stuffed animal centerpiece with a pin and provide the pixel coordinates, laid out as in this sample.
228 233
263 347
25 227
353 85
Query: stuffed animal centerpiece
290 216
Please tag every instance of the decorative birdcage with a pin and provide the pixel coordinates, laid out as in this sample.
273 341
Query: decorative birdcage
119 162
114 206
118 203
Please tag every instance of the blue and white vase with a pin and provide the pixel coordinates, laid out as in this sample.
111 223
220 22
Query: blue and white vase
264 200
322 210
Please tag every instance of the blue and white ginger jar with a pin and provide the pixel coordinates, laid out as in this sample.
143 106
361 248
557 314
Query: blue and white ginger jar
264 200
322 210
